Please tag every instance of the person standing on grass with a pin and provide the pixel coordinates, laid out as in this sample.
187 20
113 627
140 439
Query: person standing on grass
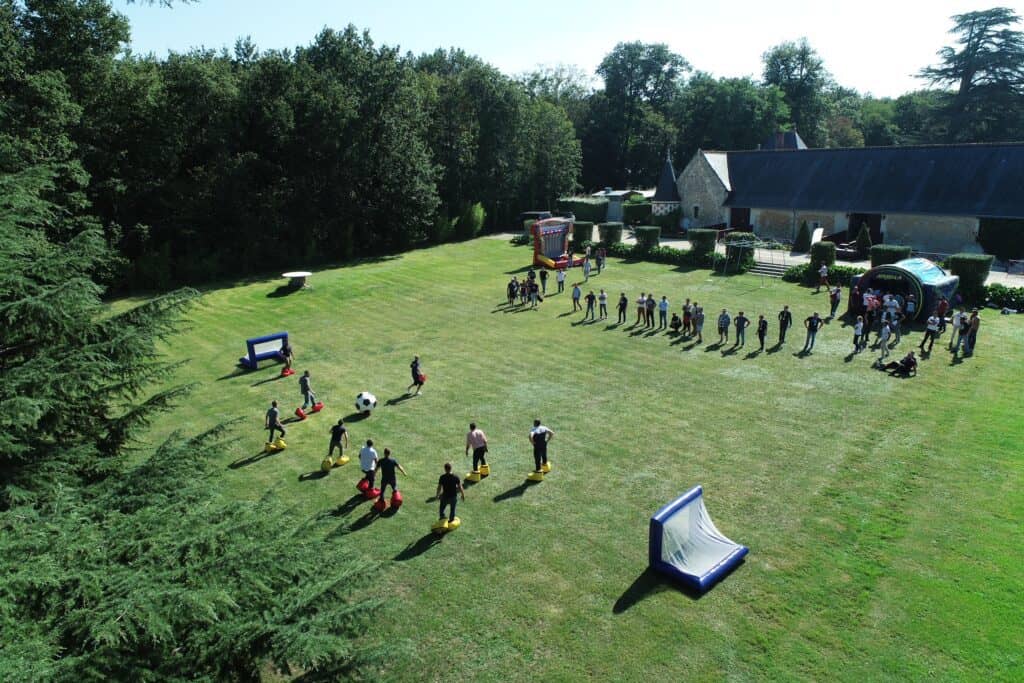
544 281
368 462
941 309
477 440
973 325
649 316
835 296
911 306
965 328
785 322
449 488
858 330
576 294
339 439
600 259
512 290
954 334
560 278
534 293
418 377
387 466
813 324
586 269
308 397
641 308
663 313
931 331
698 322
723 326
762 330
741 323
602 303
687 317
539 437
524 292
822 278
883 338
590 305
273 421
287 354
623 305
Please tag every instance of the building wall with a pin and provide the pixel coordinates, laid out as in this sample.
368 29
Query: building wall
773 223
699 186
935 234
663 208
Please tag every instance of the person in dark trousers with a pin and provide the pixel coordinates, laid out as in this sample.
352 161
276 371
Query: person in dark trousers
649 311
941 310
273 421
287 354
741 321
387 466
417 375
512 291
785 322
663 313
339 439
813 324
762 330
477 440
308 397
539 437
835 296
534 293
623 305
676 324
902 367
602 304
973 325
544 281
368 461
449 488
590 305
698 322
931 331
560 278
723 326
576 293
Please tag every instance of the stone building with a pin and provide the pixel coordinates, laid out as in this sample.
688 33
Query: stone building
931 198
666 194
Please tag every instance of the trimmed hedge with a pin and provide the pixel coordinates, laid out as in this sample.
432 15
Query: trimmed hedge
823 252
666 255
669 222
702 240
1002 296
743 256
592 209
803 239
522 240
610 233
582 231
647 237
837 275
635 214
882 254
1003 237
973 270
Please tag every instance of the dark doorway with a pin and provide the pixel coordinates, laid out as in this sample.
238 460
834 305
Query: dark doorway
874 223
739 218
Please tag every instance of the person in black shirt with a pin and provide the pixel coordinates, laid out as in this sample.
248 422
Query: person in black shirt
813 324
387 466
544 281
623 305
417 375
762 330
449 487
590 305
339 438
741 321
287 354
785 322
273 421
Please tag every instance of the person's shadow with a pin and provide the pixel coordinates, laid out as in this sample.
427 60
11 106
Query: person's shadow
398 399
252 459
414 550
514 492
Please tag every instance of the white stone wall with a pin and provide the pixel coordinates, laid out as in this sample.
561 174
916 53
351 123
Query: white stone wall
935 234
699 186
663 208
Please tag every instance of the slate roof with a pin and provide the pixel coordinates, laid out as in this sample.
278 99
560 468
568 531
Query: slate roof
667 190
789 139
984 180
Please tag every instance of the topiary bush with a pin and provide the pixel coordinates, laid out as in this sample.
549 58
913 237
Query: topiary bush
823 253
702 240
973 270
743 256
592 209
648 237
803 239
863 241
610 233
582 231
635 214
882 254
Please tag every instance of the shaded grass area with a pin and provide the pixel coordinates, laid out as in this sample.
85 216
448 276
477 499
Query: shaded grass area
883 515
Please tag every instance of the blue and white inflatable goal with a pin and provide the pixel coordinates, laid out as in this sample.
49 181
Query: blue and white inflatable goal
266 347
686 545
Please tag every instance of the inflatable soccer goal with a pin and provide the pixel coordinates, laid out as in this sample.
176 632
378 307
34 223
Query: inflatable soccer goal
686 545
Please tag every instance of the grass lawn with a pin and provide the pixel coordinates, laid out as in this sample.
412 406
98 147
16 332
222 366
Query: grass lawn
883 515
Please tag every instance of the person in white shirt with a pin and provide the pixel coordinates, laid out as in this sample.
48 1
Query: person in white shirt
822 277
641 308
368 461
858 330
930 333
956 324
560 276
883 339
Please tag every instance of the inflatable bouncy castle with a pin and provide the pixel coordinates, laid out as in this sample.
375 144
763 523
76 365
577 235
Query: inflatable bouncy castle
920 277
551 243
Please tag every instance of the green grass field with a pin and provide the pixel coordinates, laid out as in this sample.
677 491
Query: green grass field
883 515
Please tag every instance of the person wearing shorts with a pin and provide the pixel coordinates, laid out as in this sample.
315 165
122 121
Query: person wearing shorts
387 466
723 326
477 440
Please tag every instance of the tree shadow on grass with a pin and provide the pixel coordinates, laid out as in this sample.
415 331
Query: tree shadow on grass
515 492
414 550
252 459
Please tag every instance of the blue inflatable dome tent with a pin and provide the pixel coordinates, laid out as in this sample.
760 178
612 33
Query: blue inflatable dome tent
685 544
918 276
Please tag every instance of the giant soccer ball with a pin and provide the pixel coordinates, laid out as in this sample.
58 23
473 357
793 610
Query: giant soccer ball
365 402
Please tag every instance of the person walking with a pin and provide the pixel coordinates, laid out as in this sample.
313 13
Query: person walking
822 278
623 305
544 281
590 305
785 322
272 422
540 436
512 291
287 354
973 325
368 462
477 440
449 488
663 313
576 294
698 322
308 397
649 314
931 331
723 326
762 331
858 331
813 324
387 467
741 321
641 308
418 378
835 296
883 338
339 439
560 278
602 304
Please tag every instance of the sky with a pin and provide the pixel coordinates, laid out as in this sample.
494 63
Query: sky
874 46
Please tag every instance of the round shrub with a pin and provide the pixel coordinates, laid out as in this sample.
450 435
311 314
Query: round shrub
634 214
823 252
702 241
973 271
882 254
803 239
611 233
648 237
